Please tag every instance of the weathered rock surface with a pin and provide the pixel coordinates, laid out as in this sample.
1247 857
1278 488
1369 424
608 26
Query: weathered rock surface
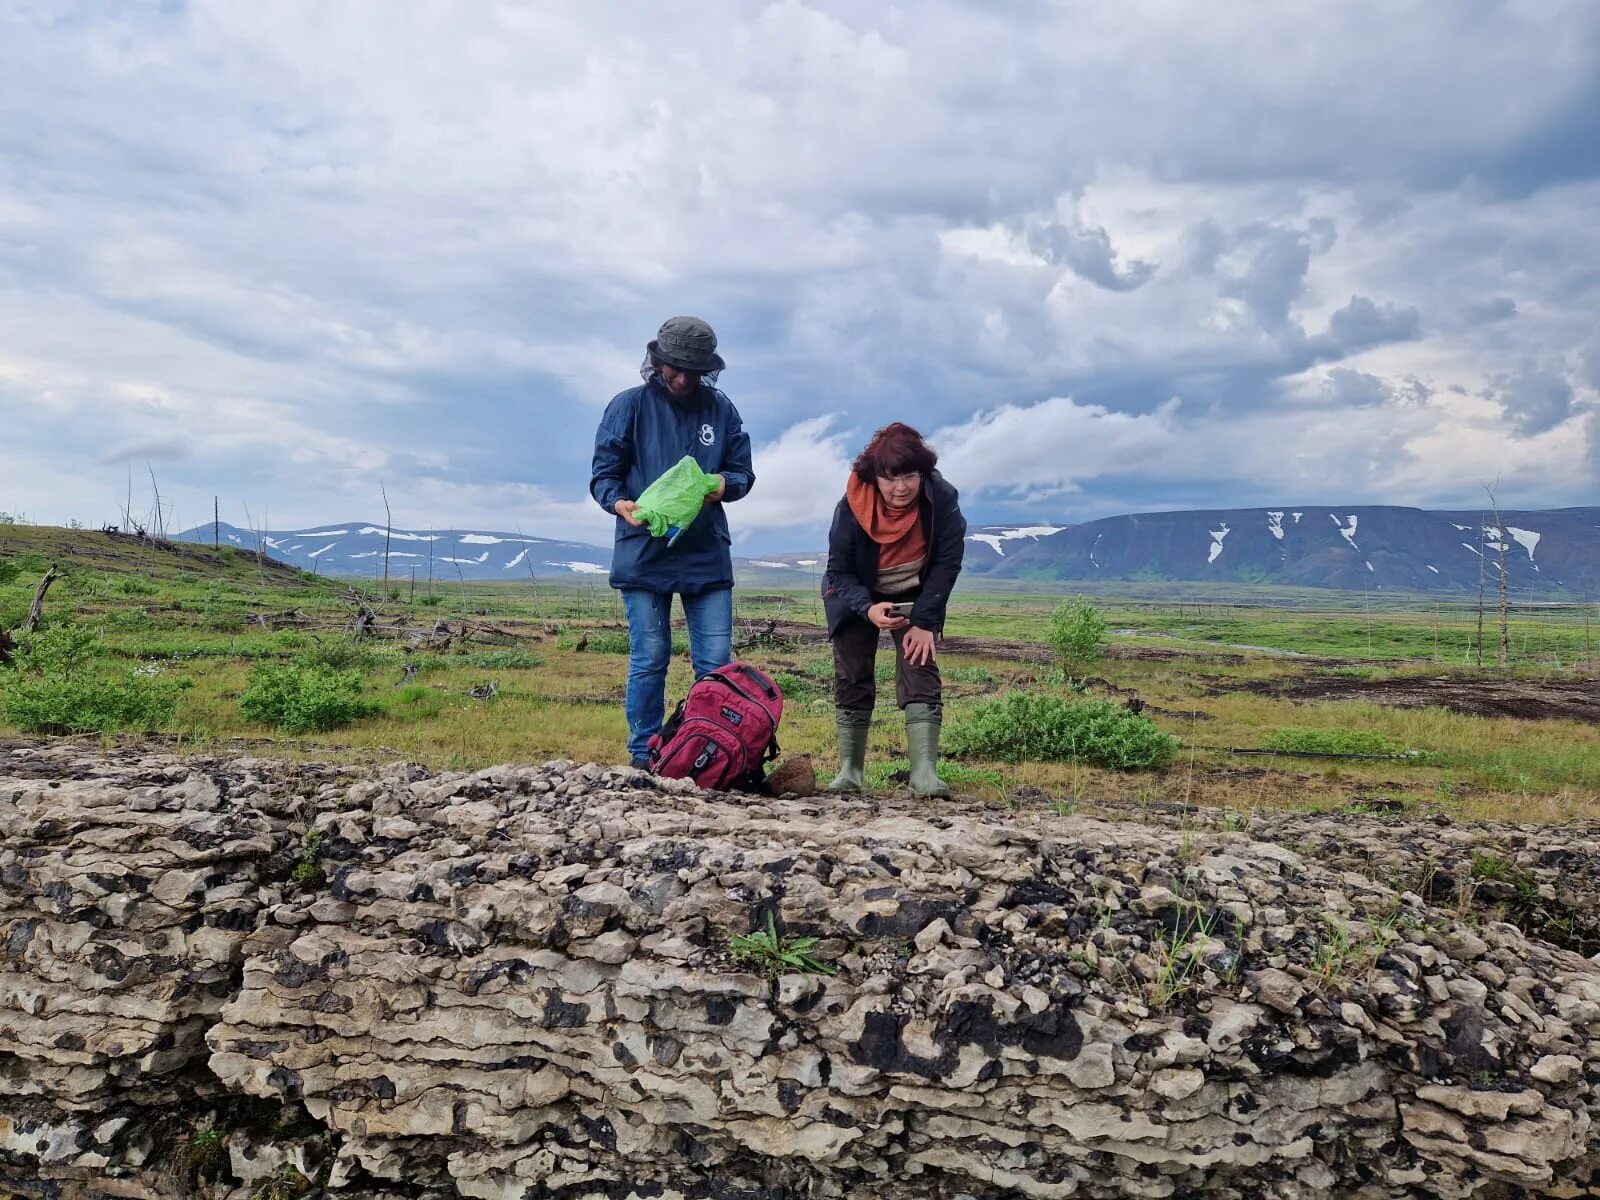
517 984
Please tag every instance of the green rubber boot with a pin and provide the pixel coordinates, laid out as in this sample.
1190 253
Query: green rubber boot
853 725
922 744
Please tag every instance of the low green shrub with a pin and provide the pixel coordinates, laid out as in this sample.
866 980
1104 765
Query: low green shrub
1029 727
503 660
130 585
609 641
88 702
797 688
1330 741
57 649
303 699
335 654
9 571
1077 635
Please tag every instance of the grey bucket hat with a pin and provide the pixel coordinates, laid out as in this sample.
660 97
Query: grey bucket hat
687 343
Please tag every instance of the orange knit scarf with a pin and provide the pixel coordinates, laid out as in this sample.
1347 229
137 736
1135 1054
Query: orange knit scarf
898 531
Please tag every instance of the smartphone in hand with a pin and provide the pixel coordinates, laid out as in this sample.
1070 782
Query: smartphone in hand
902 610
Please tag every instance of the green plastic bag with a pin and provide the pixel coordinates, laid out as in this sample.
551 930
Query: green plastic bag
674 500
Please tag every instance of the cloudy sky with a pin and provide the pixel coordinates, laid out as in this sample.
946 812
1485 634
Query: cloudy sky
1111 257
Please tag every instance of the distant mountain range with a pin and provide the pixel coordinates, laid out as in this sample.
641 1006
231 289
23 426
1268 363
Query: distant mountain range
1355 548
355 549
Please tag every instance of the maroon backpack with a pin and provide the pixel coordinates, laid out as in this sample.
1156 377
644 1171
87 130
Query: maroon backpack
724 732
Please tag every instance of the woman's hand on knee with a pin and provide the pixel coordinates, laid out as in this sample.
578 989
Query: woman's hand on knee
919 647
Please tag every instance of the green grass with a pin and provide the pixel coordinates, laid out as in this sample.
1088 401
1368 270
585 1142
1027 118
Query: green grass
880 776
1331 741
190 613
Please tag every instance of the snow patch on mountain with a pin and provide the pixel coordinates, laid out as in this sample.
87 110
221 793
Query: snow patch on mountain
1527 537
399 535
994 539
1216 542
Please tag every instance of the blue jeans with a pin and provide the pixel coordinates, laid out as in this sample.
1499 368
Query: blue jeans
710 619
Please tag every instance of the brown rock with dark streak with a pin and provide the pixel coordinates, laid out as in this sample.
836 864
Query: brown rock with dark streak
516 984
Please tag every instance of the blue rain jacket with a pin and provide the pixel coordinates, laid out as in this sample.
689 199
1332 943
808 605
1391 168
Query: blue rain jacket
643 433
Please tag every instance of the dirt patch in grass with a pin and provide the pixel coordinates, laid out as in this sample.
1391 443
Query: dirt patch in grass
1528 699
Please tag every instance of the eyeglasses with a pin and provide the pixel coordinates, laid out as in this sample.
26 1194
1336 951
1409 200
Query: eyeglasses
905 480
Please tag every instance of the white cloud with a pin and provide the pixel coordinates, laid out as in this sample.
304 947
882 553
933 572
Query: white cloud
799 478
1051 447
326 245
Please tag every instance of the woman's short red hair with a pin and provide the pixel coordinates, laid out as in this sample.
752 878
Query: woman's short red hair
896 449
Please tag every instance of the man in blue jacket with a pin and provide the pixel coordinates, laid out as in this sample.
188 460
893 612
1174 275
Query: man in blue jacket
646 430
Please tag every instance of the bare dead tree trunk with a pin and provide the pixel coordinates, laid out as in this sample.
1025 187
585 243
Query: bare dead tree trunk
388 529
36 609
156 526
256 529
216 523
430 563
1500 541
1480 589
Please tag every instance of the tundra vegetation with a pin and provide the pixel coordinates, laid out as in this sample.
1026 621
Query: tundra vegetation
1238 699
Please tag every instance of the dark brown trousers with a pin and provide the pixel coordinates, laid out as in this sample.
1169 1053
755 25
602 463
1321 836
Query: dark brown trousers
855 655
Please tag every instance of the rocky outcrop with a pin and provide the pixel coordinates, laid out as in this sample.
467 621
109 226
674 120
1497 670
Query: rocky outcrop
240 978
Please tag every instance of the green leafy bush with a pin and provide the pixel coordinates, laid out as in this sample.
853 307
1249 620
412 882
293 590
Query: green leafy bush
610 641
504 660
1077 634
57 649
335 654
1028 727
1330 741
130 585
58 687
797 688
9 570
88 703
302 699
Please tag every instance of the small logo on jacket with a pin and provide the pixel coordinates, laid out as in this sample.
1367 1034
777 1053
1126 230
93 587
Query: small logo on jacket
707 435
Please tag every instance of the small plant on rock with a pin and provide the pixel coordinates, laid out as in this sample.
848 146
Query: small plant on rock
287 1184
1179 956
201 1158
778 954
308 867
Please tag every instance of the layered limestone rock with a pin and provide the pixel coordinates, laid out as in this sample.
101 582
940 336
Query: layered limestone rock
519 983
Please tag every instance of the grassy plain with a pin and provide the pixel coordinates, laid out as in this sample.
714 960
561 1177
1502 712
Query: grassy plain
1209 669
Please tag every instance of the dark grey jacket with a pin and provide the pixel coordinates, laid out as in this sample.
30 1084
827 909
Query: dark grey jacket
853 560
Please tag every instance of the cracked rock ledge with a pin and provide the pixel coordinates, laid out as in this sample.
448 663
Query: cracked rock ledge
240 978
